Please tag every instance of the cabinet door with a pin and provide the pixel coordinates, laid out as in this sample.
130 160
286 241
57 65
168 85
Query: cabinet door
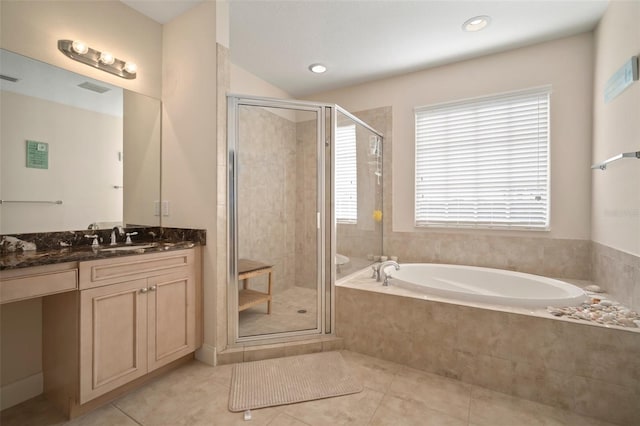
113 337
172 317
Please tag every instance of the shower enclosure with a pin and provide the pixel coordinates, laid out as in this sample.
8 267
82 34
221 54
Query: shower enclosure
305 202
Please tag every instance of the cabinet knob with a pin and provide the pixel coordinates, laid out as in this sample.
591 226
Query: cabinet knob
144 290
153 288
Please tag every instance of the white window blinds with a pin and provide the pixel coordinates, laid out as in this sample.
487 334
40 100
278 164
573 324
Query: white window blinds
484 162
346 183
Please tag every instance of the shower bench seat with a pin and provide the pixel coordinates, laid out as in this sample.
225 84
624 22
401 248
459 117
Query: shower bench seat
246 296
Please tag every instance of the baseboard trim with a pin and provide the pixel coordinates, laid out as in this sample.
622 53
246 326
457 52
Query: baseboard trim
206 354
20 391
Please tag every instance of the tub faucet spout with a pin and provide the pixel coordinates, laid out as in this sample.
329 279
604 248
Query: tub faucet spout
381 272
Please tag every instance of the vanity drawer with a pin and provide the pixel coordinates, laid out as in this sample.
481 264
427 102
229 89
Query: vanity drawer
97 273
36 282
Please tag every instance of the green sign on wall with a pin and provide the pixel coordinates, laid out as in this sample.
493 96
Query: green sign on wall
37 155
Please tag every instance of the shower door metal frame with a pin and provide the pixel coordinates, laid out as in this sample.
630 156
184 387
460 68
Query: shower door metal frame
234 102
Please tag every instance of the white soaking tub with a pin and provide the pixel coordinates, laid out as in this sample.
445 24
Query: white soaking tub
485 285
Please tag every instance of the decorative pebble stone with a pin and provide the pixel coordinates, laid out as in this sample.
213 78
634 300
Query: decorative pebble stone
593 288
605 311
626 322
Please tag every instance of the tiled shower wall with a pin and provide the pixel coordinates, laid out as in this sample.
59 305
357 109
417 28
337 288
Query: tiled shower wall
306 196
266 193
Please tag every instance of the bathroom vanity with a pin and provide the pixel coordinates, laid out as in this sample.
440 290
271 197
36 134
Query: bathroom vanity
110 320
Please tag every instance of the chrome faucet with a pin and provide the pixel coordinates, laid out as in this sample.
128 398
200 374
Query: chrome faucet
383 274
380 270
115 232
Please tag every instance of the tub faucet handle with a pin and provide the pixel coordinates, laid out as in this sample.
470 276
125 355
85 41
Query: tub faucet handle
382 267
387 280
375 272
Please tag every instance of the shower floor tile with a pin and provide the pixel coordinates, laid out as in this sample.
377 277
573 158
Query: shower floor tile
197 394
285 313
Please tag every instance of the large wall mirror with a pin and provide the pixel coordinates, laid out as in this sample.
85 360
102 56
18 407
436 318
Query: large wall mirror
74 151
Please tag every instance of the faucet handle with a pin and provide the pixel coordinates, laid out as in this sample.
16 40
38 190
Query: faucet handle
95 240
129 234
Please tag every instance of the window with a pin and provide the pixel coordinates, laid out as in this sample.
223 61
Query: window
346 175
484 162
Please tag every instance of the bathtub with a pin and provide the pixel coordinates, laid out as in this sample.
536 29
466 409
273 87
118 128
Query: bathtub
485 285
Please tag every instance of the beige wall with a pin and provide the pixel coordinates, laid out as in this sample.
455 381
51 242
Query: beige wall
189 139
33 28
142 146
616 129
615 207
245 83
566 64
90 199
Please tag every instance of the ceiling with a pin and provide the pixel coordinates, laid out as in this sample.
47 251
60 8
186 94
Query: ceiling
366 40
161 11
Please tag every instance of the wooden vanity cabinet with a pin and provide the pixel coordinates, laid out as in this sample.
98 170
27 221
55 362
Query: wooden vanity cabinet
37 281
130 327
113 337
132 318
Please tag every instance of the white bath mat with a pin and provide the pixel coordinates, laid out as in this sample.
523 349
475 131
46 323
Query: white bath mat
289 380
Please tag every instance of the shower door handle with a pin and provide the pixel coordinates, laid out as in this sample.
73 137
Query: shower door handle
318 220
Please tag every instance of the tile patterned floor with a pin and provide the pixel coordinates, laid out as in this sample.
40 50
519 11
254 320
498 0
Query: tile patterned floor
197 394
284 313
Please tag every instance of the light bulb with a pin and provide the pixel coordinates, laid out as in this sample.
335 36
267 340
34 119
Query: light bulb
476 23
107 58
317 68
130 67
79 47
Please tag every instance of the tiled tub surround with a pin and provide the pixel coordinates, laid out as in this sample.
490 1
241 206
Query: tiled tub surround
591 370
72 246
552 257
618 273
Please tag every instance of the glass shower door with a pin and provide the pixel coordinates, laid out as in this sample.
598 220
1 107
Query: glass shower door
358 194
276 209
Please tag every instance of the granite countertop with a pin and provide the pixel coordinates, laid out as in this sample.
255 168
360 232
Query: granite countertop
62 247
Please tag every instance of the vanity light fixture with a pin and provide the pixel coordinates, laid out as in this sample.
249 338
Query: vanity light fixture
317 68
79 51
476 23
80 47
107 58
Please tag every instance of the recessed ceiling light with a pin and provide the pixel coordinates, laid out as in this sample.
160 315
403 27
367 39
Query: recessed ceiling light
476 23
317 68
